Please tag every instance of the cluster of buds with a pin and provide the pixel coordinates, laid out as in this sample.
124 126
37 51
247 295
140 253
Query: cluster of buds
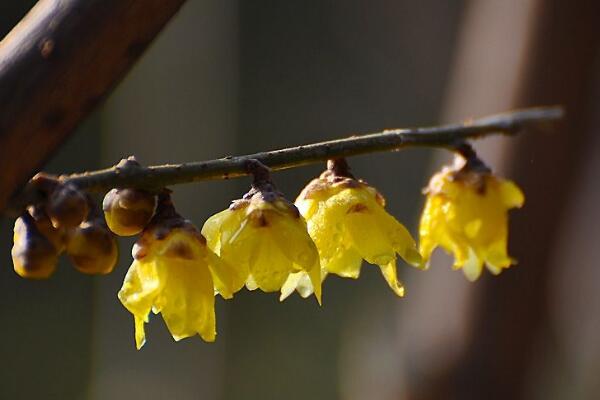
263 241
63 221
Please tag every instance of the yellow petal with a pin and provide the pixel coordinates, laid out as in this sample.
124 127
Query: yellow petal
402 241
291 284
140 288
226 278
472 266
389 273
367 237
512 196
291 236
345 263
140 334
315 280
269 266
187 300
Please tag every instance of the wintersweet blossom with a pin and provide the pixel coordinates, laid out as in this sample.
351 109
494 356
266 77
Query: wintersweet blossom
264 238
172 274
347 220
466 213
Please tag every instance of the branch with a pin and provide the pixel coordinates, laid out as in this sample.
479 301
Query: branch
57 65
448 136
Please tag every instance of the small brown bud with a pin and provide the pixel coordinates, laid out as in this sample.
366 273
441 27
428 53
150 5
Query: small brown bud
57 236
92 248
128 211
67 207
33 255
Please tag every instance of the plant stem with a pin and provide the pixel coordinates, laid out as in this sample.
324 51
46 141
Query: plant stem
450 137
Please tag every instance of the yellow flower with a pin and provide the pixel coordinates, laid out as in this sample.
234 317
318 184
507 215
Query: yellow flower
171 275
348 222
264 237
466 214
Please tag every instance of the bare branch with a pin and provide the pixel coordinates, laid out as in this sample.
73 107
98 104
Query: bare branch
155 177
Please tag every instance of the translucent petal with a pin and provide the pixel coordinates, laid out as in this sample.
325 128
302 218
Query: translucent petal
211 230
227 279
269 266
298 281
291 284
472 266
237 251
140 288
326 230
346 263
140 334
315 279
292 238
497 258
512 196
307 207
389 273
305 286
251 283
187 301
402 241
367 237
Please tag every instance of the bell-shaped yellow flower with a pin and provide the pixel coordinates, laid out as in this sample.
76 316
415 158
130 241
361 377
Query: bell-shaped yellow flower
466 214
348 222
171 275
263 237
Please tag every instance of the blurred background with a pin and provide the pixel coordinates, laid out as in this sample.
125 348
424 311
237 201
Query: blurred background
235 77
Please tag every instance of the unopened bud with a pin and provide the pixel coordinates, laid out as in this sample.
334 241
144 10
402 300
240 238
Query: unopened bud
57 236
92 248
67 207
128 211
33 255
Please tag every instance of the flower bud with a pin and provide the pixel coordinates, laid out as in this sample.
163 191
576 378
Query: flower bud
92 248
57 236
34 256
67 207
128 211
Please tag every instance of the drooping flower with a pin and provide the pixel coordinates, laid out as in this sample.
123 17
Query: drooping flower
466 213
348 222
172 274
263 237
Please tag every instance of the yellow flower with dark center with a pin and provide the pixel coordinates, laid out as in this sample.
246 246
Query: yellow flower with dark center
263 237
348 222
466 214
172 274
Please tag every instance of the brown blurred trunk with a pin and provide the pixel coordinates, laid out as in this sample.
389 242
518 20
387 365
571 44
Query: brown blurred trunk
510 321
57 65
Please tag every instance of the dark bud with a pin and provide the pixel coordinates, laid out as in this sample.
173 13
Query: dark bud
67 207
92 248
57 236
128 211
34 256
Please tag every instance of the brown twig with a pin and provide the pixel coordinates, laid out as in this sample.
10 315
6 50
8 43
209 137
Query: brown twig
155 177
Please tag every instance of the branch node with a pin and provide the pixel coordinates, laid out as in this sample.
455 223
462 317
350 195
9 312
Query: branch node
339 167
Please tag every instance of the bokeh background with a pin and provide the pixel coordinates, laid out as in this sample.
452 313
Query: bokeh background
235 77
